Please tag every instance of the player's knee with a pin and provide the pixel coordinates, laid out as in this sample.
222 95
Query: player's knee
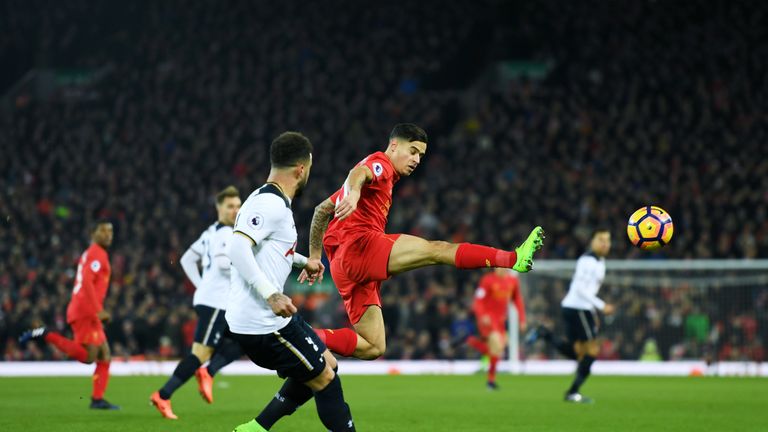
92 354
495 346
592 348
330 359
202 352
321 381
373 352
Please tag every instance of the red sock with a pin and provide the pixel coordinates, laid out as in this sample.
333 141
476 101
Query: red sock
472 256
100 379
71 348
478 345
342 341
492 369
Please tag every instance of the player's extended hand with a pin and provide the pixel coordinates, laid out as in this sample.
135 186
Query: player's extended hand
281 305
346 206
312 272
104 316
609 309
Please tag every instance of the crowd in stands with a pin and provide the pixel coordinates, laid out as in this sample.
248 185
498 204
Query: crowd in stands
643 103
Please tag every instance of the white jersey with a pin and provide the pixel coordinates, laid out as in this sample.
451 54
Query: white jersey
589 275
212 247
267 219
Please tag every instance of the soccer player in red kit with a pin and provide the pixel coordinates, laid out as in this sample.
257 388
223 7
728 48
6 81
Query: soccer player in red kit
491 307
86 313
362 255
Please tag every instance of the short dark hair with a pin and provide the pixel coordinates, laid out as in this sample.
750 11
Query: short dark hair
289 149
227 192
599 230
97 223
409 132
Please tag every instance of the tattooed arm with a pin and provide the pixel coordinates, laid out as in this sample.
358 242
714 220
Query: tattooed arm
321 218
313 270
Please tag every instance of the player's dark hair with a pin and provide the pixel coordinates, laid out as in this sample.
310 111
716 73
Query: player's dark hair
97 223
409 132
228 192
599 230
289 149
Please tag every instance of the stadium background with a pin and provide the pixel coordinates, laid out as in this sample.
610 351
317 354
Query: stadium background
565 115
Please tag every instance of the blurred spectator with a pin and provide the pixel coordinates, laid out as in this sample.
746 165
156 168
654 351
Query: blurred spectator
643 102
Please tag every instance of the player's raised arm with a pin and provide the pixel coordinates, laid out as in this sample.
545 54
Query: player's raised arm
359 176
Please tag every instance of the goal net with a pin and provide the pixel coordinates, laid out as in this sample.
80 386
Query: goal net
666 310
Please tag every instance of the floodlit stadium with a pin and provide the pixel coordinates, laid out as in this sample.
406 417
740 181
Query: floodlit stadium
387 215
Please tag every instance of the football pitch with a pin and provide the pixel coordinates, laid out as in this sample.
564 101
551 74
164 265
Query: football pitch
402 403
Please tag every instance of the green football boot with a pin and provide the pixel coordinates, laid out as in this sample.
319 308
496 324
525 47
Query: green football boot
526 250
251 426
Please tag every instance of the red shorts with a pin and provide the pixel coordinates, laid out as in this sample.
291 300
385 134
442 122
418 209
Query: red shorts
486 324
358 267
88 331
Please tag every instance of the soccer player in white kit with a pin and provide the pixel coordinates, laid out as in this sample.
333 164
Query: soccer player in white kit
579 314
263 319
209 301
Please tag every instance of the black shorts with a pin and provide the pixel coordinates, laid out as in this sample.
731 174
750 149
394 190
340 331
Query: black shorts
579 324
211 326
294 351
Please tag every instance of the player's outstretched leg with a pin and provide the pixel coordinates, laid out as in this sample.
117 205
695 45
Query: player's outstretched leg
367 341
32 334
84 353
410 252
69 347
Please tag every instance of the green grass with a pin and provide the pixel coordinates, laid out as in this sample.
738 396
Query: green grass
403 403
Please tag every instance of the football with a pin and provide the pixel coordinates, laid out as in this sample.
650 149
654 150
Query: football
650 228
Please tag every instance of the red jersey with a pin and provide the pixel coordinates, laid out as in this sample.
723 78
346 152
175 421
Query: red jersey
372 208
494 293
91 283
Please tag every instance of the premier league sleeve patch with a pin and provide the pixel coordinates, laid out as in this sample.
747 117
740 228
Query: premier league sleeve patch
256 221
95 266
377 169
